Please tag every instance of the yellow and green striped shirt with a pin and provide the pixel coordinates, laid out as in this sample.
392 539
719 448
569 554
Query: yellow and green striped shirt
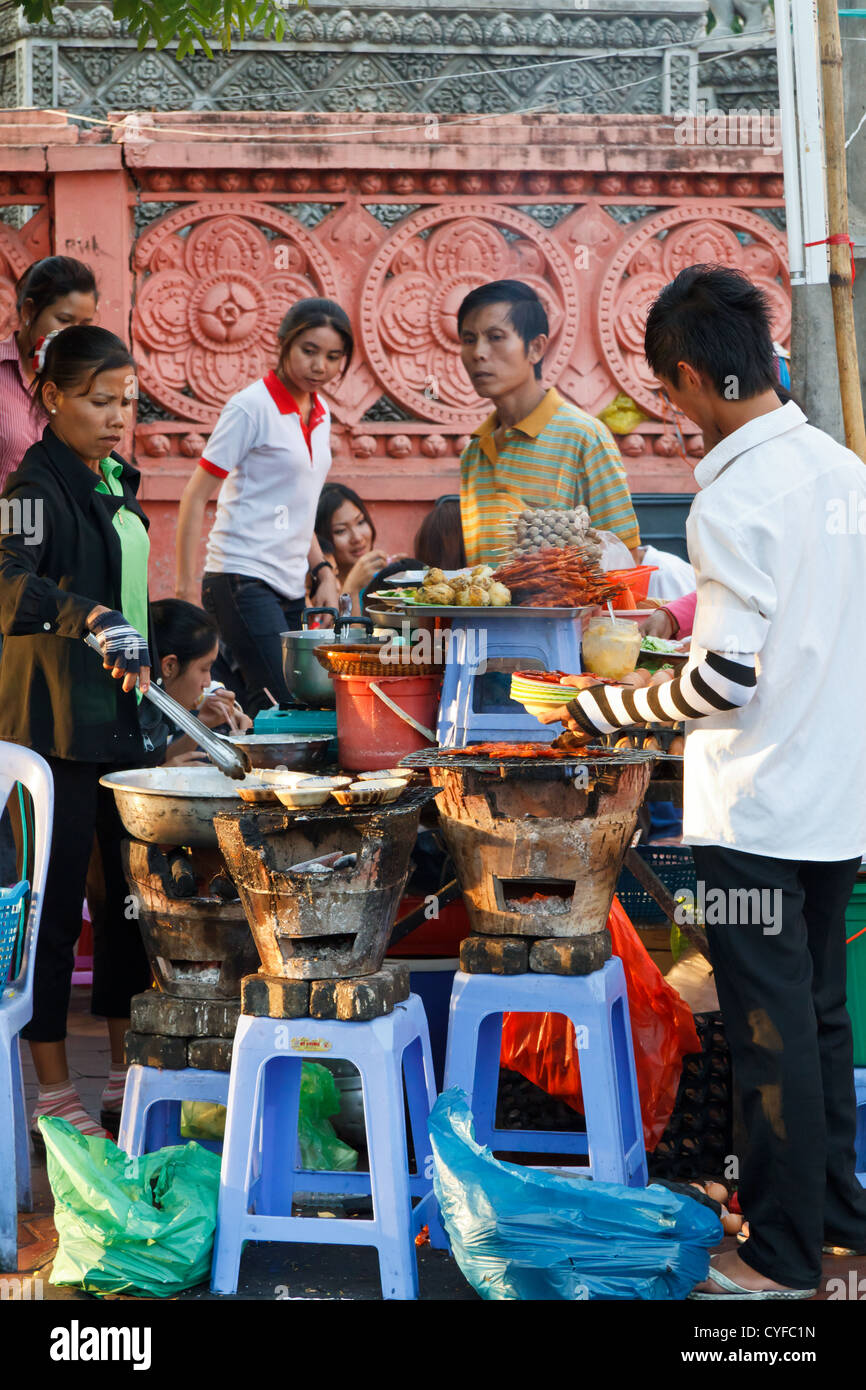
558 456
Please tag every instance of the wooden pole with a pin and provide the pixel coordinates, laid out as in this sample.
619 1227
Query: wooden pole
837 216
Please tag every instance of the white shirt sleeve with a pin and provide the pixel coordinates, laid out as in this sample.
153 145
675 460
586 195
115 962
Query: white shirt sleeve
233 436
736 597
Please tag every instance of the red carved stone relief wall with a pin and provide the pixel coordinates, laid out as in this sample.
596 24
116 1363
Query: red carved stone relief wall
597 214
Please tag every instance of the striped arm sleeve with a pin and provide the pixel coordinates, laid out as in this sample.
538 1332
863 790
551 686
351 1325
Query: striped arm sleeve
714 684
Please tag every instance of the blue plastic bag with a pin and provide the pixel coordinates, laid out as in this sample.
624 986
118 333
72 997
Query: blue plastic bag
524 1233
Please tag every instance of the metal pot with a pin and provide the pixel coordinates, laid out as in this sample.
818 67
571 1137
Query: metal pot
297 752
172 805
308 682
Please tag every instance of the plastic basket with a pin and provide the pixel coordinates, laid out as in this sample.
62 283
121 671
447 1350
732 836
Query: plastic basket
10 921
675 867
855 934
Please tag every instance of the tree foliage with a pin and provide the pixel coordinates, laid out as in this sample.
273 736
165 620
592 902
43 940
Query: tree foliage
187 25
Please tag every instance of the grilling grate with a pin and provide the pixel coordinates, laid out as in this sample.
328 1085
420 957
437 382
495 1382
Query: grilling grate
590 756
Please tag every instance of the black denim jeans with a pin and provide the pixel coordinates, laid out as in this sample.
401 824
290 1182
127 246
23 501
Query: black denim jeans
781 984
251 616
82 810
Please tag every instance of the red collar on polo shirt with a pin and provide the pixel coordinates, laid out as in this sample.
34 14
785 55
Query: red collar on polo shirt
287 405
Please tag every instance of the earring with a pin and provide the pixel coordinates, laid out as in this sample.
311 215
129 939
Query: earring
53 410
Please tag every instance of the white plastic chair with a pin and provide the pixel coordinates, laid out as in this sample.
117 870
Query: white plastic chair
16 1000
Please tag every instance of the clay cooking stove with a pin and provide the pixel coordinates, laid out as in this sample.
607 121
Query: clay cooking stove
538 842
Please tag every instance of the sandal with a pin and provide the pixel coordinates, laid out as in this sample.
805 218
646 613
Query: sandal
734 1292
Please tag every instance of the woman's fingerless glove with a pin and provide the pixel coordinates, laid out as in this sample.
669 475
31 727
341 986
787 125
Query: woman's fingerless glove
121 644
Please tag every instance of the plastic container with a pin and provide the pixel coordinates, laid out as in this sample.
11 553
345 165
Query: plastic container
369 734
661 517
855 934
304 722
636 580
440 937
675 867
610 648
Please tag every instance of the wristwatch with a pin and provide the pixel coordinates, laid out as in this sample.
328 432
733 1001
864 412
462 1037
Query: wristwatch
314 581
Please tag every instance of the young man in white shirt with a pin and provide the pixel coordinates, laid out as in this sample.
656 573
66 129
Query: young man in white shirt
775 766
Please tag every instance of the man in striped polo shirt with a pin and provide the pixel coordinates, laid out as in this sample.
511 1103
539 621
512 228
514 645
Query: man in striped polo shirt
536 449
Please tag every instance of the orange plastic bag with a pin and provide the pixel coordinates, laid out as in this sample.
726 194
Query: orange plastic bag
541 1046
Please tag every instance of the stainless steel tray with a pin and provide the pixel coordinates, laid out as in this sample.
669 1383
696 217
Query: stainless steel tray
512 610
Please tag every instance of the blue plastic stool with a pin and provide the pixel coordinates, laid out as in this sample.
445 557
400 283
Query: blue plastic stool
597 1005
261 1168
151 1106
860 1141
553 642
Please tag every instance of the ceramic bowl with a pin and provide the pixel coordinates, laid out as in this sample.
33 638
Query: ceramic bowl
279 776
385 774
312 791
254 791
371 792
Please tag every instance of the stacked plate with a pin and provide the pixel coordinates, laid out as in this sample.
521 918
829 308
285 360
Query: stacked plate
537 695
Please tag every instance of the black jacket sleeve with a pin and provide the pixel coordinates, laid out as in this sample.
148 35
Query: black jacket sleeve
30 602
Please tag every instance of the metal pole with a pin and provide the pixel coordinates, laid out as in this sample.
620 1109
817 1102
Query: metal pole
811 139
840 254
790 147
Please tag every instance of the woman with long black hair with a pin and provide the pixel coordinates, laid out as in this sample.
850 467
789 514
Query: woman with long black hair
79 567
346 533
269 455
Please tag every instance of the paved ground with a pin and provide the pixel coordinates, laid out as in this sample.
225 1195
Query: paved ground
274 1272
267 1271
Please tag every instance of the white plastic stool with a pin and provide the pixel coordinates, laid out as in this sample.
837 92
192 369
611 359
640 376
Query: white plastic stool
152 1101
261 1168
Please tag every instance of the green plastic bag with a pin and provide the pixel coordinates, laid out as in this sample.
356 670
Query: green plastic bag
320 1147
130 1225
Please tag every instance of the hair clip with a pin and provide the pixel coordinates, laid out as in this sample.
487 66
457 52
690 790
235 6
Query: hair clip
41 349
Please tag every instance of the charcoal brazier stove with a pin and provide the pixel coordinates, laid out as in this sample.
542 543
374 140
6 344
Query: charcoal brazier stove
538 842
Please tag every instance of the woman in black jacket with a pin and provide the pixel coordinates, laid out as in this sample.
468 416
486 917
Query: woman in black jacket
73 560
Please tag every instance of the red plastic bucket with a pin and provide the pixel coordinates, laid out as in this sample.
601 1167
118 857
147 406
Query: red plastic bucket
372 736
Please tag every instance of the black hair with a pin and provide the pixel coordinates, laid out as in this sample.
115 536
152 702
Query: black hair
439 538
46 281
715 319
77 354
331 499
181 629
316 313
526 314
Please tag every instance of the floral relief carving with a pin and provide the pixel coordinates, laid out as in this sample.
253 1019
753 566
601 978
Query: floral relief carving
210 292
654 252
416 282
14 260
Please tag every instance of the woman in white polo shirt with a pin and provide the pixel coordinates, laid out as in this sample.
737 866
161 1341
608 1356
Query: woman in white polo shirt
269 454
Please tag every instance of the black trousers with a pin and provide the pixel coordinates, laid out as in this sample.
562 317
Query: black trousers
251 616
82 810
781 984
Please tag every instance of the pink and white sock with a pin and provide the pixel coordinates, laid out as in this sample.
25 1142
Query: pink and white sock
112 1096
63 1101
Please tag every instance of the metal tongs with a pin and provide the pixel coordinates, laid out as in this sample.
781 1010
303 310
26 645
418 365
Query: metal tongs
234 762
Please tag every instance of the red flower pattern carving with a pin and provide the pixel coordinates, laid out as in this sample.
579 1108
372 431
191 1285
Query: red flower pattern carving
414 288
660 247
211 292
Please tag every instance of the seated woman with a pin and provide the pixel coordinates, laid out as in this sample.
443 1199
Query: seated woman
345 530
188 637
439 538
